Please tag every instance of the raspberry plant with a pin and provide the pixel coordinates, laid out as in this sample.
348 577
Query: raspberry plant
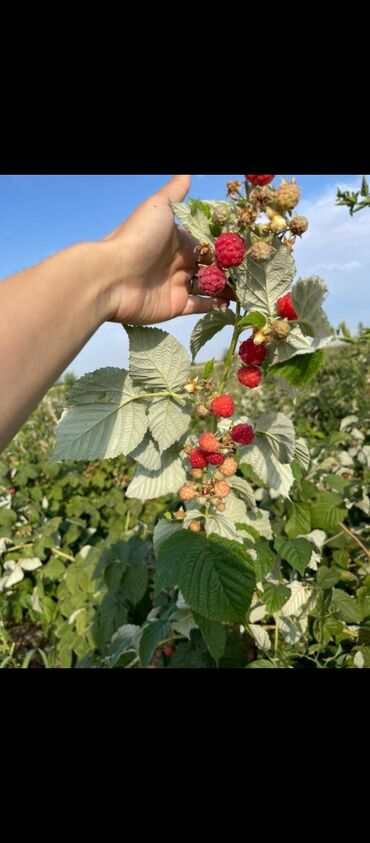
211 549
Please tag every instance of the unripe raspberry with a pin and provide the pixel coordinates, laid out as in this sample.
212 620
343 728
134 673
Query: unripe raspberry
278 224
252 354
194 526
285 308
221 488
229 467
280 329
197 458
212 280
298 225
187 492
208 442
188 449
221 215
223 406
288 196
221 507
192 386
260 180
197 473
243 434
218 476
180 515
260 251
202 411
271 213
215 459
250 376
229 250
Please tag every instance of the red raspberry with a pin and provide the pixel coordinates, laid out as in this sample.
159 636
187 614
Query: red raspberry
260 180
250 376
243 434
208 442
168 651
285 307
215 459
229 250
251 353
197 459
223 406
212 280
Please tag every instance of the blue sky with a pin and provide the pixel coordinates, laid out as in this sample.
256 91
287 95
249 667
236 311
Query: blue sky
40 215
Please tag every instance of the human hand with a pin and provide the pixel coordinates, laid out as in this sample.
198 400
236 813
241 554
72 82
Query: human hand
152 262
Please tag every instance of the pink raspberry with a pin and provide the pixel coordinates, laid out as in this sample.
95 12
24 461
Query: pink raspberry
285 307
208 442
223 405
250 376
221 489
243 434
187 492
212 280
197 458
229 250
260 180
252 354
215 459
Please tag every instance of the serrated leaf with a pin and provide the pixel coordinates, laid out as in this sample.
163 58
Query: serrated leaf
157 359
148 485
274 596
197 223
183 622
214 635
259 521
135 582
296 551
299 520
182 211
147 454
307 297
347 607
265 559
208 327
260 663
302 453
223 523
208 368
168 421
162 531
326 512
279 433
213 574
268 469
260 285
327 578
300 370
244 490
104 419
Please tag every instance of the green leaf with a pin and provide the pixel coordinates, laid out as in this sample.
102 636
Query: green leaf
104 418
275 596
300 370
265 559
347 607
296 551
183 622
208 326
168 421
302 453
266 467
364 187
162 531
327 577
326 512
299 521
278 430
182 212
214 574
147 454
262 663
135 582
208 369
157 359
197 205
260 285
156 631
255 319
214 635
148 485
307 297
244 490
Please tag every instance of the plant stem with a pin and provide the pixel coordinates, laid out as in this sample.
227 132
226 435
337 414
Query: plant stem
354 538
231 351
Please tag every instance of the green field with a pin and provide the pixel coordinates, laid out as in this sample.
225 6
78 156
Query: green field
77 562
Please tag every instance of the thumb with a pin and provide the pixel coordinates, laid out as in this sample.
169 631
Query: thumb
176 189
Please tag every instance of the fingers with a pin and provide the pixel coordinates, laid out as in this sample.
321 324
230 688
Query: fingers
176 189
201 304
